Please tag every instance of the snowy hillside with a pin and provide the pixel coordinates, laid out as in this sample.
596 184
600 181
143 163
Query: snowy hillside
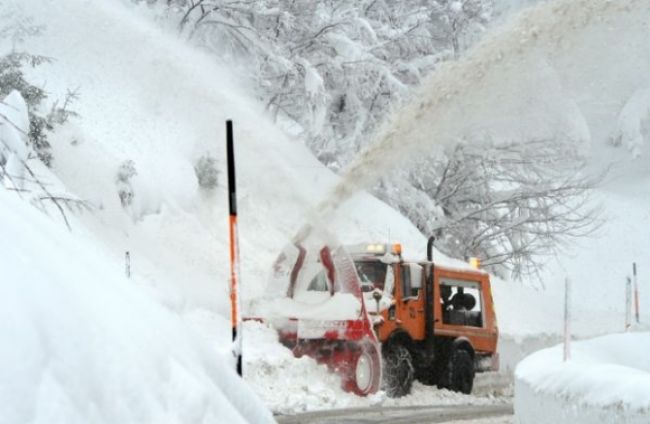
81 343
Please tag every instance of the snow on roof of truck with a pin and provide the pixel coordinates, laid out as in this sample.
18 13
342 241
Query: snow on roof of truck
371 251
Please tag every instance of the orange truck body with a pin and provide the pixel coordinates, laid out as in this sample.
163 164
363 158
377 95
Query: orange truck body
418 320
410 312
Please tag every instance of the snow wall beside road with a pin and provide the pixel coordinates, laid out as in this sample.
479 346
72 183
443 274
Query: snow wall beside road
607 380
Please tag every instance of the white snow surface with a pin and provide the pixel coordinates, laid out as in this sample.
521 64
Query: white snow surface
80 343
289 385
607 379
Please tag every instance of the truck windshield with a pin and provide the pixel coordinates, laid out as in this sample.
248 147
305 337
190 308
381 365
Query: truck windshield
372 274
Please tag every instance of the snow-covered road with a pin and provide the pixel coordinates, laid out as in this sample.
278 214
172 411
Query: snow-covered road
407 414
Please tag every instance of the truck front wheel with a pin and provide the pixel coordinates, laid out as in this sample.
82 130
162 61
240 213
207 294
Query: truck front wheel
398 370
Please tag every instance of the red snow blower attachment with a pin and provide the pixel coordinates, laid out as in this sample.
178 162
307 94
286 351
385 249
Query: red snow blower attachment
315 301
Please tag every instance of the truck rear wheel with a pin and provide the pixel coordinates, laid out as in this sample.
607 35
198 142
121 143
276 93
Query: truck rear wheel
398 370
458 374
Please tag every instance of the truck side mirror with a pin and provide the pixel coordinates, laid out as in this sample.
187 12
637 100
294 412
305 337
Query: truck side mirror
377 294
416 276
391 312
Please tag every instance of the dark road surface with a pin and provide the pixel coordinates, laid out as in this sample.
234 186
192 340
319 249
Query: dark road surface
404 414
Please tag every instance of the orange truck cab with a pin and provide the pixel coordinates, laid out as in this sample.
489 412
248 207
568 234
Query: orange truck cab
434 323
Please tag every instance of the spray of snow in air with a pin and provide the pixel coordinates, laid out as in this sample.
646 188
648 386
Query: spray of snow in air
467 96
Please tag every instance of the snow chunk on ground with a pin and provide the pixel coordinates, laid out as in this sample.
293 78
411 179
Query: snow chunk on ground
606 380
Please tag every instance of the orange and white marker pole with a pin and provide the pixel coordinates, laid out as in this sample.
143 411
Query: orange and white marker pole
628 304
567 319
636 293
235 318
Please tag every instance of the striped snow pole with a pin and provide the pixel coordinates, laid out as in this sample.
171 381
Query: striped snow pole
567 319
127 264
235 309
636 293
628 304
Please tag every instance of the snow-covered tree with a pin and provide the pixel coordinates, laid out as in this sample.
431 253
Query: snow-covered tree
508 204
125 173
15 152
459 22
331 70
43 116
14 148
41 120
206 172
632 125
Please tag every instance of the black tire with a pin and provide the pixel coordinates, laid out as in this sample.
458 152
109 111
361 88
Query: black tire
398 372
458 375
426 376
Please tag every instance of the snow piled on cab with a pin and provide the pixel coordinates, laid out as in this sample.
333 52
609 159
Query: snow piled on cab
606 380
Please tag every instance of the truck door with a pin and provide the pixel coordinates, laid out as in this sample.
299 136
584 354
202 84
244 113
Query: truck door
462 308
410 303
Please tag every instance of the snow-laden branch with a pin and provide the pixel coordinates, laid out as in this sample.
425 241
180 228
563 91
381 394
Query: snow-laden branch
630 131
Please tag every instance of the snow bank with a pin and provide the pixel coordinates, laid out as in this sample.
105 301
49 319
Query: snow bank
79 343
607 380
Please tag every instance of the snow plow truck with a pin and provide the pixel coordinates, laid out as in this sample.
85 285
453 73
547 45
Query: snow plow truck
381 321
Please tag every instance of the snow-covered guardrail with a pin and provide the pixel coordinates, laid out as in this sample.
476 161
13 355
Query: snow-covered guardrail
606 380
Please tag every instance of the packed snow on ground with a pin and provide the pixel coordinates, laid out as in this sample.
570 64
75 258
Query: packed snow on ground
606 380
81 343
290 385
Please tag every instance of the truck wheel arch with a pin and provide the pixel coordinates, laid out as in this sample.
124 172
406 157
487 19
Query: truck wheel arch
399 337
464 344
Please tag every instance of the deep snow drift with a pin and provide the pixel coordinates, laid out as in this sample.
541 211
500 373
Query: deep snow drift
80 343
606 380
